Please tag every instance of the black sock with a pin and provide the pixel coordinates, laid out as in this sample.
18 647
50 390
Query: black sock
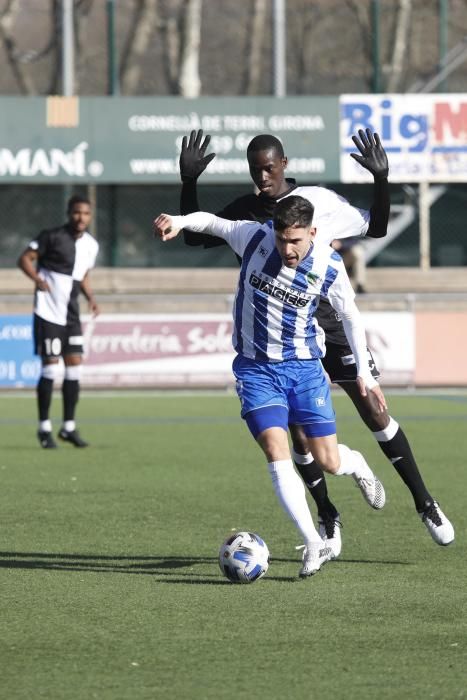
315 482
44 397
398 451
70 393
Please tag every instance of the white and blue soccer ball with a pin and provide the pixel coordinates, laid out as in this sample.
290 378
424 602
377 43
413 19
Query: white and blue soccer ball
244 557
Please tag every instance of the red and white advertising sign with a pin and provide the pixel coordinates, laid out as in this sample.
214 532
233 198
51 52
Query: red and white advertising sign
158 350
195 350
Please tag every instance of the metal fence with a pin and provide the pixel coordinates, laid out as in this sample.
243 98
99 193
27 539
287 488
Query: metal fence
123 216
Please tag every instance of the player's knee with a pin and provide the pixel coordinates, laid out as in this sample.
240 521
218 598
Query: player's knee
371 414
330 463
50 371
327 457
381 420
274 445
73 373
375 420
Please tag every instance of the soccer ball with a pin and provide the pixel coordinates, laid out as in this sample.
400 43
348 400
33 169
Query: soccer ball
244 557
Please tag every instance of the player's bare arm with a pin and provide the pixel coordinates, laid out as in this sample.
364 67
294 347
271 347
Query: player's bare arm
85 286
27 263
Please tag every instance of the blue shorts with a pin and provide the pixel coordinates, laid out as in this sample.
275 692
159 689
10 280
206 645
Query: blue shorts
274 394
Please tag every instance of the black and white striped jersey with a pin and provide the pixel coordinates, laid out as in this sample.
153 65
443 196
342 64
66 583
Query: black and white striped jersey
63 261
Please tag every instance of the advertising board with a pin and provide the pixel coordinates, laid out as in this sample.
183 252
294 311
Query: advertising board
181 351
425 136
138 139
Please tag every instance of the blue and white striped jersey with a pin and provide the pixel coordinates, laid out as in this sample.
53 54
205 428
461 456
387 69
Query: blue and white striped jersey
274 305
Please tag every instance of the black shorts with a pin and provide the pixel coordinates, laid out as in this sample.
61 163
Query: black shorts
340 365
52 340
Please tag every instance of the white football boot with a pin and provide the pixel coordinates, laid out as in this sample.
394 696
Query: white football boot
329 529
437 524
372 491
314 556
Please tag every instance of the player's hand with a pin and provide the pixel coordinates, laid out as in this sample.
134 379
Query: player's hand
163 228
42 285
373 156
94 307
192 159
374 394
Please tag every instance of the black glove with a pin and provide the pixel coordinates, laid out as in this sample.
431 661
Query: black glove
373 156
192 159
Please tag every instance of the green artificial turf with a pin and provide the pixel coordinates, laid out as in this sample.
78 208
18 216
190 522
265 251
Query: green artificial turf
110 586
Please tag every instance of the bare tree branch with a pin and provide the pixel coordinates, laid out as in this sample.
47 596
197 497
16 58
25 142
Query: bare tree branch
363 23
7 18
145 22
171 57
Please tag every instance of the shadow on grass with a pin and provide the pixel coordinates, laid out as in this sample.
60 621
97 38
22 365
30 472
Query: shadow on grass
342 560
100 562
168 567
156 566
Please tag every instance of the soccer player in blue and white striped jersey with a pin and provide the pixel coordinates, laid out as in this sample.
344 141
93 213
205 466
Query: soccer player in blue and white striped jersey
279 345
335 218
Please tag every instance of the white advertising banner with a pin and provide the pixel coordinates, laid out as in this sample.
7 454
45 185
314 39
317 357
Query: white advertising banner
391 339
425 136
158 350
195 350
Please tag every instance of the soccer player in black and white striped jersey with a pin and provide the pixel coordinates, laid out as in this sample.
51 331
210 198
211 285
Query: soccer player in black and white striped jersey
58 261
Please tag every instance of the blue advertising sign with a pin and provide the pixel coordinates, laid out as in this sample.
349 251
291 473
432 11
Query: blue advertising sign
19 367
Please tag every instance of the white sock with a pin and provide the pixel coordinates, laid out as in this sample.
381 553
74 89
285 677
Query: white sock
353 463
69 425
302 459
45 426
388 433
291 494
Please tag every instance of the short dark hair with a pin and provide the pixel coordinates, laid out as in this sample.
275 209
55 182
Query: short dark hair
293 212
76 199
265 142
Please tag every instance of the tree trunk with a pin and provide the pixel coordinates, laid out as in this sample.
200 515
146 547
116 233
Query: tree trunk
189 80
400 45
256 36
80 22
